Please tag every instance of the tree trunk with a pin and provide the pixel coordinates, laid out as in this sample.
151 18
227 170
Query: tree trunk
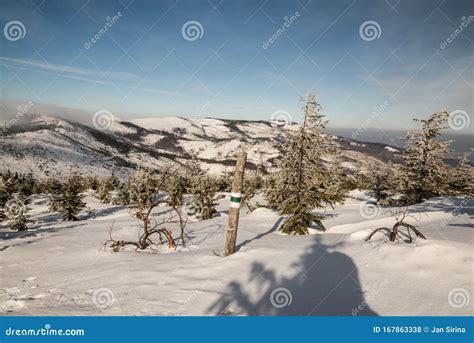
300 159
235 202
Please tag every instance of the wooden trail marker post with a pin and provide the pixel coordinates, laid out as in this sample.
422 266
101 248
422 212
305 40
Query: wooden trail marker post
235 202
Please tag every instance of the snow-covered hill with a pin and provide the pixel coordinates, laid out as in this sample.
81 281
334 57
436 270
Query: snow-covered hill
45 144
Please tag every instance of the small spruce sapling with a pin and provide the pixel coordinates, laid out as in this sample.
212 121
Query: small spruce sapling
16 212
252 184
5 194
106 186
461 180
203 189
70 202
204 201
53 187
224 181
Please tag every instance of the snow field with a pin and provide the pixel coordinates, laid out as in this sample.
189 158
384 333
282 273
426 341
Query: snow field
61 268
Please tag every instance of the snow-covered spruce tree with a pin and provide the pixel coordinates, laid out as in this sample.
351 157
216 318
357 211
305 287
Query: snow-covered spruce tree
45 185
424 174
52 186
203 189
204 200
302 182
4 196
176 188
192 170
143 191
106 186
273 198
122 196
69 203
92 182
224 181
113 180
14 181
338 186
383 181
461 179
16 212
362 179
103 192
252 184
27 185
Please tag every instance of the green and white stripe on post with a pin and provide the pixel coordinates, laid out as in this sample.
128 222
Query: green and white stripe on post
235 200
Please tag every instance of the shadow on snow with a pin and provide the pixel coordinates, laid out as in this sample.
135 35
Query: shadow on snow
324 282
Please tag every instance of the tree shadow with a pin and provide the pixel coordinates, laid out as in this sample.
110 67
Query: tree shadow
219 230
324 282
454 205
49 218
34 230
468 225
263 234
55 217
103 212
7 234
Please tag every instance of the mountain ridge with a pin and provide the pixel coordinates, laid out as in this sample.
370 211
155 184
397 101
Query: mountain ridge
50 144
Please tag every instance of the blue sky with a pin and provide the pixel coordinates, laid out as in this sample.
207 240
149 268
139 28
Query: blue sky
143 66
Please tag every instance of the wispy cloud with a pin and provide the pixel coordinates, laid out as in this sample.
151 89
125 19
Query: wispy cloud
158 91
245 107
82 74
62 69
68 76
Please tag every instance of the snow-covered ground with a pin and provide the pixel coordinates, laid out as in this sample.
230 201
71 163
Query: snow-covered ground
61 268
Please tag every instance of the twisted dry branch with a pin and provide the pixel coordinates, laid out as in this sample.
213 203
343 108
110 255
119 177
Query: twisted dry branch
144 240
394 233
